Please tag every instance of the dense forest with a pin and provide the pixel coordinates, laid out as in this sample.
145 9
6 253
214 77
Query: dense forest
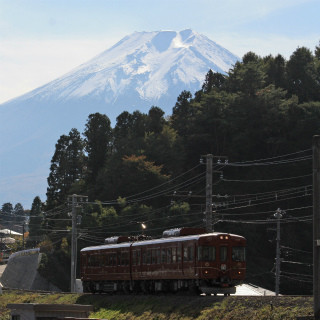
259 118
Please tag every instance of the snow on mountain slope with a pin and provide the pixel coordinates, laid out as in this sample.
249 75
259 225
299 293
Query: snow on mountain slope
147 63
141 70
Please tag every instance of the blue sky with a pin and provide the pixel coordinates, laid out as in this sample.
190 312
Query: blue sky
43 39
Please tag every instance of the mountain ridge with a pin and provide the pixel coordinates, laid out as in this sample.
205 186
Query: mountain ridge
137 62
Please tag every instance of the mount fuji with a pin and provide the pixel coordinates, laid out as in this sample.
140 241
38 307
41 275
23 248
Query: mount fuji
141 70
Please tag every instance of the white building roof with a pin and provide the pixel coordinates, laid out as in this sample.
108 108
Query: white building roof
11 232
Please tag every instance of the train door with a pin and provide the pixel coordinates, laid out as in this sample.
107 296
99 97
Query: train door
225 266
188 259
136 263
111 263
195 260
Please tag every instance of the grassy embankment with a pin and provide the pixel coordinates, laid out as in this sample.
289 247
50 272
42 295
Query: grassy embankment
172 307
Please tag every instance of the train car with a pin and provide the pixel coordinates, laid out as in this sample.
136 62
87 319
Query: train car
183 259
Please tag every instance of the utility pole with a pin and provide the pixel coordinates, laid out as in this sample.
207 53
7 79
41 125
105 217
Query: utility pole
74 236
209 193
23 235
316 226
209 172
73 244
279 214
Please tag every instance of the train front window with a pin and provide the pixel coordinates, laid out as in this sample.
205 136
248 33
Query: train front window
223 253
239 254
206 253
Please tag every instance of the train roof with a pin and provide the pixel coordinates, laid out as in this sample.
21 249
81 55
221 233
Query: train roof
156 241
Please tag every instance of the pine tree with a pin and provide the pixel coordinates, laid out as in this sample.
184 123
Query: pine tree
98 144
302 74
7 214
19 214
35 223
66 167
182 112
213 80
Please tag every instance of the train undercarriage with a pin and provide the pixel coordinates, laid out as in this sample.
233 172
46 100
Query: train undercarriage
159 286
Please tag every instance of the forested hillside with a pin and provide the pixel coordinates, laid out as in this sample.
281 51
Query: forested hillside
261 116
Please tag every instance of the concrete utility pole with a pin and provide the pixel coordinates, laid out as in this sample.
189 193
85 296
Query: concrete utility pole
278 215
209 172
74 236
23 235
209 193
73 245
316 226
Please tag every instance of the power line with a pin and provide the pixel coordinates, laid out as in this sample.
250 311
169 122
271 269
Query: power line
267 180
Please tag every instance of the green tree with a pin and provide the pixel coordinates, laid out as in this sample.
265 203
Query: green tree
130 130
7 208
67 165
302 75
7 214
275 68
131 174
247 76
165 149
213 80
98 144
36 231
19 214
317 51
182 113
155 120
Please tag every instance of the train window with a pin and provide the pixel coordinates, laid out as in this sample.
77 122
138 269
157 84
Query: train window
112 259
174 255
158 253
134 257
190 253
154 257
163 256
169 255
138 257
144 257
148 256
124 258
206 253
94 261
119 258
185 254
179 254
223 253
239 254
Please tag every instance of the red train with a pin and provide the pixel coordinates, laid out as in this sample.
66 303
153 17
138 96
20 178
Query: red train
184 259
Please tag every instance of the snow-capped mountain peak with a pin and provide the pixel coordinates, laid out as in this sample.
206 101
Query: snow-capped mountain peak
147 65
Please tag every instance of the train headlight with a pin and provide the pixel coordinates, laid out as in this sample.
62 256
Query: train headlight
206 271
